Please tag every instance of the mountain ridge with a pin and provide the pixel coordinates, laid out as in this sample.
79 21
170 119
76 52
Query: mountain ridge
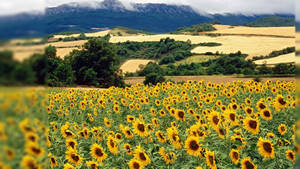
151 17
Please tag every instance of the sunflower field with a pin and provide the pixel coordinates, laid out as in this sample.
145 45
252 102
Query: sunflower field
23 129
246 125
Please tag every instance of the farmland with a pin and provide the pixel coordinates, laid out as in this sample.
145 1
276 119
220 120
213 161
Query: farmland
248 40
133 65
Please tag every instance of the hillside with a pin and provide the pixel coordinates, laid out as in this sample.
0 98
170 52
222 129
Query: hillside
154 18
272 21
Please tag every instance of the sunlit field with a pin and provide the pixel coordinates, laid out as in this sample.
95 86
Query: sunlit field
192 125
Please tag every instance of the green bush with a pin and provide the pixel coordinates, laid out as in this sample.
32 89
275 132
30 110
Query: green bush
153 79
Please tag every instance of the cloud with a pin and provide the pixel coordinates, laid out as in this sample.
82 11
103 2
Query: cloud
17 6
205 6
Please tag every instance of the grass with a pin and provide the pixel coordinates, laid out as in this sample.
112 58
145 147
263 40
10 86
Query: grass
196 59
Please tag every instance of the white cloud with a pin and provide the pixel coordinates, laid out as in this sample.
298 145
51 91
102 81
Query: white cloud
9 7
209 6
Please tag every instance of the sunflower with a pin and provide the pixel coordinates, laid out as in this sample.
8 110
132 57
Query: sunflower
107 122
270 135
249 111
162 112
214 119
10 153
251 125
53 162
248 164
128 149
282 129
161 138
290 155
140 129
130 119
127 132
71 144
280 102
174 137
222 132
97 152
266 114
135 164
234 156
231 117
34 149
157 102
141 156
92 164
68 166
155 122
66 132
260 105
116 109
28 162
210 160
180 114
192 146
73 157
118 136
112 145
265 148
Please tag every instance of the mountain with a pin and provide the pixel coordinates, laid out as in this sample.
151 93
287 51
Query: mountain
273 21
82 17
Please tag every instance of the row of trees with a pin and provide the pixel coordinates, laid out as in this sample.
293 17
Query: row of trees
224 65
97 64
276 53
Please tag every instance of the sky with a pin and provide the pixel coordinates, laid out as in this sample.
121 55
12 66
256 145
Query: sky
8 7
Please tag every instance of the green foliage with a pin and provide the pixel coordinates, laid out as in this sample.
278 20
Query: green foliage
13 72
96 64
276 53
196 28
155 50
154 78
272 21
233 63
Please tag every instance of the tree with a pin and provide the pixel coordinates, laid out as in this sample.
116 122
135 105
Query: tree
154 78
97 64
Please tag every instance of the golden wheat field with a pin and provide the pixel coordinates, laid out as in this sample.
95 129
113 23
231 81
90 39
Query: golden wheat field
251 45
244 30
133 65
287 58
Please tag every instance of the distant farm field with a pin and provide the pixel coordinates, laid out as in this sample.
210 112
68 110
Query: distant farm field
288 58
253 45
237 39
244 30
196 59
133 65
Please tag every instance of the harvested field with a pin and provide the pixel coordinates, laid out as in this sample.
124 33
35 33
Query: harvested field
253 46
93 34
78 43
62 52
196 59
133 65
245 30
22 52
288 58
214 79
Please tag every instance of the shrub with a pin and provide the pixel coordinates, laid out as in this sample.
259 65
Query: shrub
154 78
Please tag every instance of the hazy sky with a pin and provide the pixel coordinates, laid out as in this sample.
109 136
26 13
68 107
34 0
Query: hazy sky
209 6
